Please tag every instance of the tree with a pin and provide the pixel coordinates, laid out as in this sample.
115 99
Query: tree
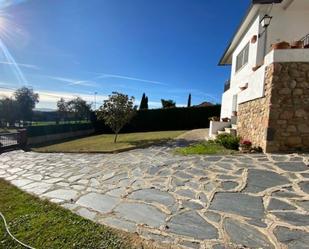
62 108
168 103
80 108
26 100
189 100
8 110
117 111
144 102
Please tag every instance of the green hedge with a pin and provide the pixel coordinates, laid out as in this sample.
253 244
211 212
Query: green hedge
35 131
168 119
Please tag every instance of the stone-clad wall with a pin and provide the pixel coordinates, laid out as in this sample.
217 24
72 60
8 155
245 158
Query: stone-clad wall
280 120
253 116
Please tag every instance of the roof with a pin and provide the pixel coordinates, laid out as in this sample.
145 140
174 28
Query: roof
252 12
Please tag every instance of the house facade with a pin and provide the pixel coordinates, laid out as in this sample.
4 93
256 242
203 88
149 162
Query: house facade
268 89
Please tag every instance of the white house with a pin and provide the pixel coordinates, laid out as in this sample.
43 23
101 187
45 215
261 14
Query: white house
252 42
268 89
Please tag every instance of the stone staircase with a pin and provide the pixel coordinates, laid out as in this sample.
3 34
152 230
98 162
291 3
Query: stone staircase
229 130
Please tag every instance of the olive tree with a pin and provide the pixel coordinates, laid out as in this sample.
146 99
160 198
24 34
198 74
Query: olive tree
117 111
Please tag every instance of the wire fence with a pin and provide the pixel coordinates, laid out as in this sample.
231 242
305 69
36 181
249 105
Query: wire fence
8 140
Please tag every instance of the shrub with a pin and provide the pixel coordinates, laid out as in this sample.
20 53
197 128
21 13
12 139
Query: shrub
34 131
228 141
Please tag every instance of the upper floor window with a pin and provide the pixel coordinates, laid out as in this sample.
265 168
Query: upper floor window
242 58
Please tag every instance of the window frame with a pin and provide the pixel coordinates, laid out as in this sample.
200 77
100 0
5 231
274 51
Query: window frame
244 56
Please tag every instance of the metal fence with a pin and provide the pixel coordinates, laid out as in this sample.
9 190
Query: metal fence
8 140
306 40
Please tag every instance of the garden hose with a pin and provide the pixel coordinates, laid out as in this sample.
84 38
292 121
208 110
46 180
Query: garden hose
8 231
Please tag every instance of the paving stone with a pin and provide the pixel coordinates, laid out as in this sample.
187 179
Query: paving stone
84 212
276 204
304 205
209 187
190 245
62 194
292 166
192 205
228 185
141 214
294 239
246 235
260 180
21 182
178 182
193 225
213 216
98 202
119 224
304 186
212 158
153 196
285 194
202 197
257 223
237 203
118 192
293 218
182 175
186 193
37 188
219 246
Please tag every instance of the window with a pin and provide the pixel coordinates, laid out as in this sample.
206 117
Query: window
242 58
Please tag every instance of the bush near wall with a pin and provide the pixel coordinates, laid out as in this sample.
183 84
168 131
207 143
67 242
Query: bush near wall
167 119
35 131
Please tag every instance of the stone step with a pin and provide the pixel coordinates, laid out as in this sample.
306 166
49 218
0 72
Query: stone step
230 131
234 126
222 132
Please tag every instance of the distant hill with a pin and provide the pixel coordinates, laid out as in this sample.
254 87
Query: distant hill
44 110
204 104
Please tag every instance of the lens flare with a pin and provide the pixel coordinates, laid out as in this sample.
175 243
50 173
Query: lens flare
7 28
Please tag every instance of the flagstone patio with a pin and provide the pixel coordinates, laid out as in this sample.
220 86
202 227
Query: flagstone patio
257 201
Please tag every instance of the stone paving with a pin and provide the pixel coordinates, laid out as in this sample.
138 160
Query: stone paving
241 201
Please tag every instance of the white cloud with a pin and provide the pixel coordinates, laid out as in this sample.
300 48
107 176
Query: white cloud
117 76
73 82
20 65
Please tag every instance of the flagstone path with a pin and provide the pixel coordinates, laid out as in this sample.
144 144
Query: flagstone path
255 201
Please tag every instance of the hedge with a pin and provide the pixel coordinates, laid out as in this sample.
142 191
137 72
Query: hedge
35 131
144 120
167 119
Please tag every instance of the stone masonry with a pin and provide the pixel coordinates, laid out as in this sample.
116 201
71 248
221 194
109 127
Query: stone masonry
280 120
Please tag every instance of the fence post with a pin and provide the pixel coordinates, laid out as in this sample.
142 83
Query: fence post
22 137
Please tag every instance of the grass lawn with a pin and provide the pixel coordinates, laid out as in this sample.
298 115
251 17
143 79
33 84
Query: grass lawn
105 143
205 148
41 224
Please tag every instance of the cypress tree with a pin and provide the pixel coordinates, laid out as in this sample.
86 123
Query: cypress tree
144 102
189 100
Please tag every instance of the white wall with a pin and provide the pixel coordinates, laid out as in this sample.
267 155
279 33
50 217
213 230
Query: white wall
241 77
288 25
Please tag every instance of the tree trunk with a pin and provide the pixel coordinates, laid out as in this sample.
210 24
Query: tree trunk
115 139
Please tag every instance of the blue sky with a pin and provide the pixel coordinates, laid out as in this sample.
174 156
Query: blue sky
165 48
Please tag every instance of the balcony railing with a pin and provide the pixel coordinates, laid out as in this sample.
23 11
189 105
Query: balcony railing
306 41
227 85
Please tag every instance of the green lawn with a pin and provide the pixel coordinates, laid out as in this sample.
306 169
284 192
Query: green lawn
205 148
41 224
105 143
